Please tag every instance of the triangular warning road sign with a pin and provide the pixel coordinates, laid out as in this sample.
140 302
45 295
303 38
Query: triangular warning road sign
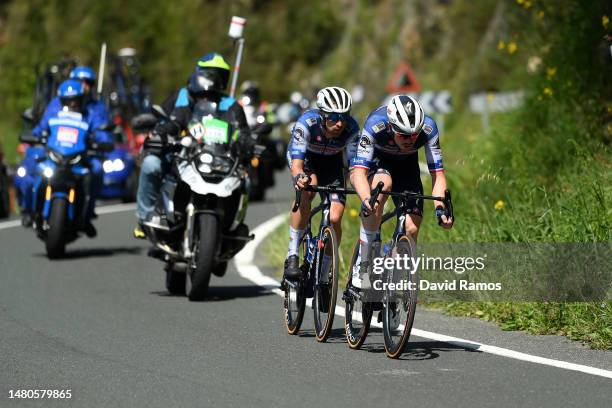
403 80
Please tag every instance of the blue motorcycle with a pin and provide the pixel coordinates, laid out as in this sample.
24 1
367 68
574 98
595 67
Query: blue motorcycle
120 175
61 188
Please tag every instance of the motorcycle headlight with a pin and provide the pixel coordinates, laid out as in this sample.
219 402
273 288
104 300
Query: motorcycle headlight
118 165
21 172
48 172
108 166
204 168
206 158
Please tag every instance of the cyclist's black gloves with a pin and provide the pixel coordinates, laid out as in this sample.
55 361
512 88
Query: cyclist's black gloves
297 178
440 211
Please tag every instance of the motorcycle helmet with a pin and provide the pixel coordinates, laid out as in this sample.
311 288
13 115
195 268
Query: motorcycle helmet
250 94
83 73
205 85
214 62
71 93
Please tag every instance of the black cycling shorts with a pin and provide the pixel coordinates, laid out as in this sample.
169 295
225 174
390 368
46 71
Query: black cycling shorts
329 171
405 174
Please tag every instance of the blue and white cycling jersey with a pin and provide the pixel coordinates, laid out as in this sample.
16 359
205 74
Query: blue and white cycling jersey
377 139
307 137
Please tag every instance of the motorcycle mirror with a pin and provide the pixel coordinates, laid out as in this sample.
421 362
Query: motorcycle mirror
159 112
186 141
28 115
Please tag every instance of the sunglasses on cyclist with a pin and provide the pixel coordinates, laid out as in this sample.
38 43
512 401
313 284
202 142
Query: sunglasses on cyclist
405 136
335 117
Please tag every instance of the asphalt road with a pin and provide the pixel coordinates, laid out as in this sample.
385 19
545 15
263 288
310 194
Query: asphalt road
101 324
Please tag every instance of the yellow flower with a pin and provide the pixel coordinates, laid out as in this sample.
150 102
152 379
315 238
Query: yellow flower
512 47
547 91
551 72
353 212
520 1
501 45
541 14
499 205
527 4
605 20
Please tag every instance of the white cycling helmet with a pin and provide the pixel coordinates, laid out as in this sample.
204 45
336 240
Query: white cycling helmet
405 114
334 99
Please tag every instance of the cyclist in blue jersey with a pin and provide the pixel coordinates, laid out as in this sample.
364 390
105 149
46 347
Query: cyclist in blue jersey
387 151
319 140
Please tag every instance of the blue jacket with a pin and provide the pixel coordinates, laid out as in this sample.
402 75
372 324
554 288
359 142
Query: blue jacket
95 114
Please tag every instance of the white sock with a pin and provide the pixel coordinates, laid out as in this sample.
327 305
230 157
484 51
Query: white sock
366 238
294 241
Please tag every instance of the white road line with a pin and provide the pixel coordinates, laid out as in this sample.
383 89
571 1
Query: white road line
106 209
246 269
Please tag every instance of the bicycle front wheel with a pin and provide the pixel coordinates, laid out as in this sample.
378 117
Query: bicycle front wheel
294 302
399 302
358 314
326 286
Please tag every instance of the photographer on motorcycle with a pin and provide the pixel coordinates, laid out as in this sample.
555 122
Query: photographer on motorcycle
209 81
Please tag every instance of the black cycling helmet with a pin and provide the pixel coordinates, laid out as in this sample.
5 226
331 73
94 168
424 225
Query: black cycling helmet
205 85
250 93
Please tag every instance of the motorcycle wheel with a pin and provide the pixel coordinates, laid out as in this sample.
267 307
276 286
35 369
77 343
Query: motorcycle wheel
205 256
54 242
5 203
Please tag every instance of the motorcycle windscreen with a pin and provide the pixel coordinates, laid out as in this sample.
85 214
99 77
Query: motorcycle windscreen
68 135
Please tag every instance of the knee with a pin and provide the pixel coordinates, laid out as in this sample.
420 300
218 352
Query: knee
151 165
335 217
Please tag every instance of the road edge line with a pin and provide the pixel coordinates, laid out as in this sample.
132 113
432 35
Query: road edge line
244 264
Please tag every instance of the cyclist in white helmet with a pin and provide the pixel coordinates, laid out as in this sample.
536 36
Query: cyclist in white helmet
387 151
315 156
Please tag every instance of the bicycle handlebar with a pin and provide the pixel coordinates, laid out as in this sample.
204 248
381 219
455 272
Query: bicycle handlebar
319 189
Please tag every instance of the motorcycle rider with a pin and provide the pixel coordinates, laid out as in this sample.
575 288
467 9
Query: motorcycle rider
72 97
315 156
180 104
98 114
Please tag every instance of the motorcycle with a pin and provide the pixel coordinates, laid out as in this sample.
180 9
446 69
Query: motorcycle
61 189
204 200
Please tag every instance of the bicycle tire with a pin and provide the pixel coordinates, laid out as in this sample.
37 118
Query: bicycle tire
396 336
294 302
355 334
325 294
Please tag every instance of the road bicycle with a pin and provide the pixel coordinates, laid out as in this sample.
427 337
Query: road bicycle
397 289
315 282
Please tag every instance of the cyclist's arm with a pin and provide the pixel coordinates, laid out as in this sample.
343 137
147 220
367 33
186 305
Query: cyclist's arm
438 181
300 135
360 164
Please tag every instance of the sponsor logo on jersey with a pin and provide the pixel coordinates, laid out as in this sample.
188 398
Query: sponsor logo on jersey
298 134
379 127
364 142
311 121
428 129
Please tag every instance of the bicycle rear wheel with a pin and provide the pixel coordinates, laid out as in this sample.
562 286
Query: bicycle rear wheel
294 302
399 305
358 314
326 290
